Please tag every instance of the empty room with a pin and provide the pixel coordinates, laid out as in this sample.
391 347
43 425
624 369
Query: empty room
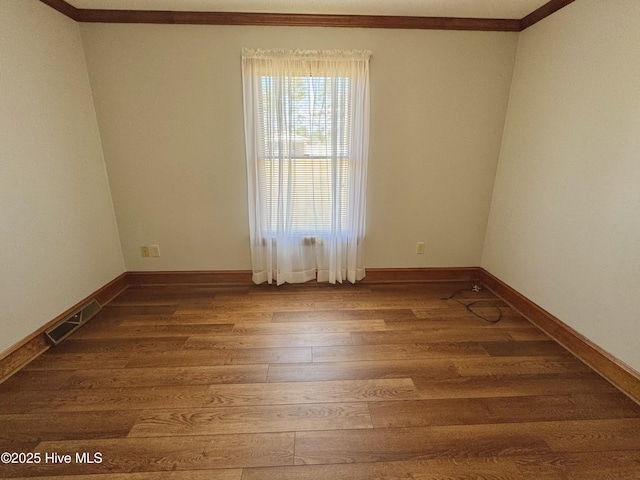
390 239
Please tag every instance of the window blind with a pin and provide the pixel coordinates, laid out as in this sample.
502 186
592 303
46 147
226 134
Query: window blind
305 137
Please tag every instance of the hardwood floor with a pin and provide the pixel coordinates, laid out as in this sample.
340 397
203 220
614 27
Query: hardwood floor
311 381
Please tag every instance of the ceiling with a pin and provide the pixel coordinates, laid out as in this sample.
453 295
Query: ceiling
508 9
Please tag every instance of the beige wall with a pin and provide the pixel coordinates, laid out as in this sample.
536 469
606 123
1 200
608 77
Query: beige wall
564 228
58 236
169 105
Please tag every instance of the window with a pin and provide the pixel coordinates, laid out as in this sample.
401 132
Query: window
306 131
313 135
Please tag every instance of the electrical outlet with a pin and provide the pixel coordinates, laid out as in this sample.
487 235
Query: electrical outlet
420 248
144 251
154 250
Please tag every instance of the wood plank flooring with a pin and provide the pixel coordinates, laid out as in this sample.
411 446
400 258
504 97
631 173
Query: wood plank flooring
301 382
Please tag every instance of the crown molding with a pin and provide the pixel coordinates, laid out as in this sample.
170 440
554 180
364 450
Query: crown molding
543 12
86 15
64 8
298 20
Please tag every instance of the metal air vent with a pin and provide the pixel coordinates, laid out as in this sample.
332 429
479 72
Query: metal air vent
72 322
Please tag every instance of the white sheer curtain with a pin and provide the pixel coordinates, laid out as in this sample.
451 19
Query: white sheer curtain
306 116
